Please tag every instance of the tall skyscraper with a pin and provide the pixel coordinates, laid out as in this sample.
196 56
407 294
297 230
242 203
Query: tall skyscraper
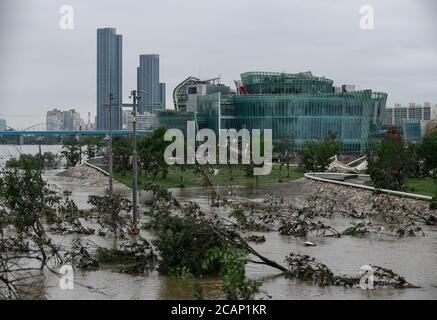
162 94
109 78
148 85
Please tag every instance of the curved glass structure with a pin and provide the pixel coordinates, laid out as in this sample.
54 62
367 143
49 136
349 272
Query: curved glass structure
279 83
300 106
351 116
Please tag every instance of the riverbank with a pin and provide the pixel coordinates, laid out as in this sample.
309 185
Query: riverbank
412 257
423 186
225 177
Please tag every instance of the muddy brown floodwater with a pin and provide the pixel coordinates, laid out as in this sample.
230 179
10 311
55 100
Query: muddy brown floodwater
415 258
412 257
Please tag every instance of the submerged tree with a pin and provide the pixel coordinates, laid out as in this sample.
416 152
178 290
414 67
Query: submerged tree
112 212
92 146
25 200
72 151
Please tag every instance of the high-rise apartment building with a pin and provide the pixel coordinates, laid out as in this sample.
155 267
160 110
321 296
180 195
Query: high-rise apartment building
152 92
146 121
109 78
398 114
57 120
54 120
2 125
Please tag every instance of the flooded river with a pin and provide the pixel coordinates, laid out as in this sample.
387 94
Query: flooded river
415 258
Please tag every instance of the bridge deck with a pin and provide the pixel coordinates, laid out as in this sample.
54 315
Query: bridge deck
70 133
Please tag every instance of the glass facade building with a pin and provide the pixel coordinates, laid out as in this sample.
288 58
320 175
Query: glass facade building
300 106
109 78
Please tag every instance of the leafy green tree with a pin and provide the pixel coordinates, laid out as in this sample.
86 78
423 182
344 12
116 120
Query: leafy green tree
72 151
285 149
389 167
92 146
232 263
315 155
152 153
33 162
112 212
427 150
28 199
122 151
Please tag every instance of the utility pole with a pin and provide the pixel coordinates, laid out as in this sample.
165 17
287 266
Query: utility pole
110 161
135 98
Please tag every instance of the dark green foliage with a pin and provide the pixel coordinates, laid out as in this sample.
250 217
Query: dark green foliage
122 151
79 257
28 198
135 256
28 161
427 150
389 168
184 242
92 146
314 155
72 151
25 199
151 151
285 150
233 273
112 212
66 220
308 268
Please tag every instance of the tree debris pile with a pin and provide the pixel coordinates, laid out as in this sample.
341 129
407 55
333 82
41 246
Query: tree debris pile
133 257
306 268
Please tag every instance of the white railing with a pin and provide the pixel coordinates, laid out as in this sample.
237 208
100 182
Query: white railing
96 167
360 186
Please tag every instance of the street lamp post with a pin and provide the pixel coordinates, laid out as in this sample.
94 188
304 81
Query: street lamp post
110 158
135 97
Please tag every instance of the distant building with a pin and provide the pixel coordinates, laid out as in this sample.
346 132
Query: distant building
337 89
146 121
89 126
152 92
203 88
186 94
54 120
398 114
348 88
109 78
125 116
57 120
180 95
162 94
2 125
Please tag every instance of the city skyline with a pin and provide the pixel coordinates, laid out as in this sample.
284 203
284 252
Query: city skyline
403 64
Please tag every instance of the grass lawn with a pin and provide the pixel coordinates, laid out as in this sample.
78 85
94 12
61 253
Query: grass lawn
192 179
423 186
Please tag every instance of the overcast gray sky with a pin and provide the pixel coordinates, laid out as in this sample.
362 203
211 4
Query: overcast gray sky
43 66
